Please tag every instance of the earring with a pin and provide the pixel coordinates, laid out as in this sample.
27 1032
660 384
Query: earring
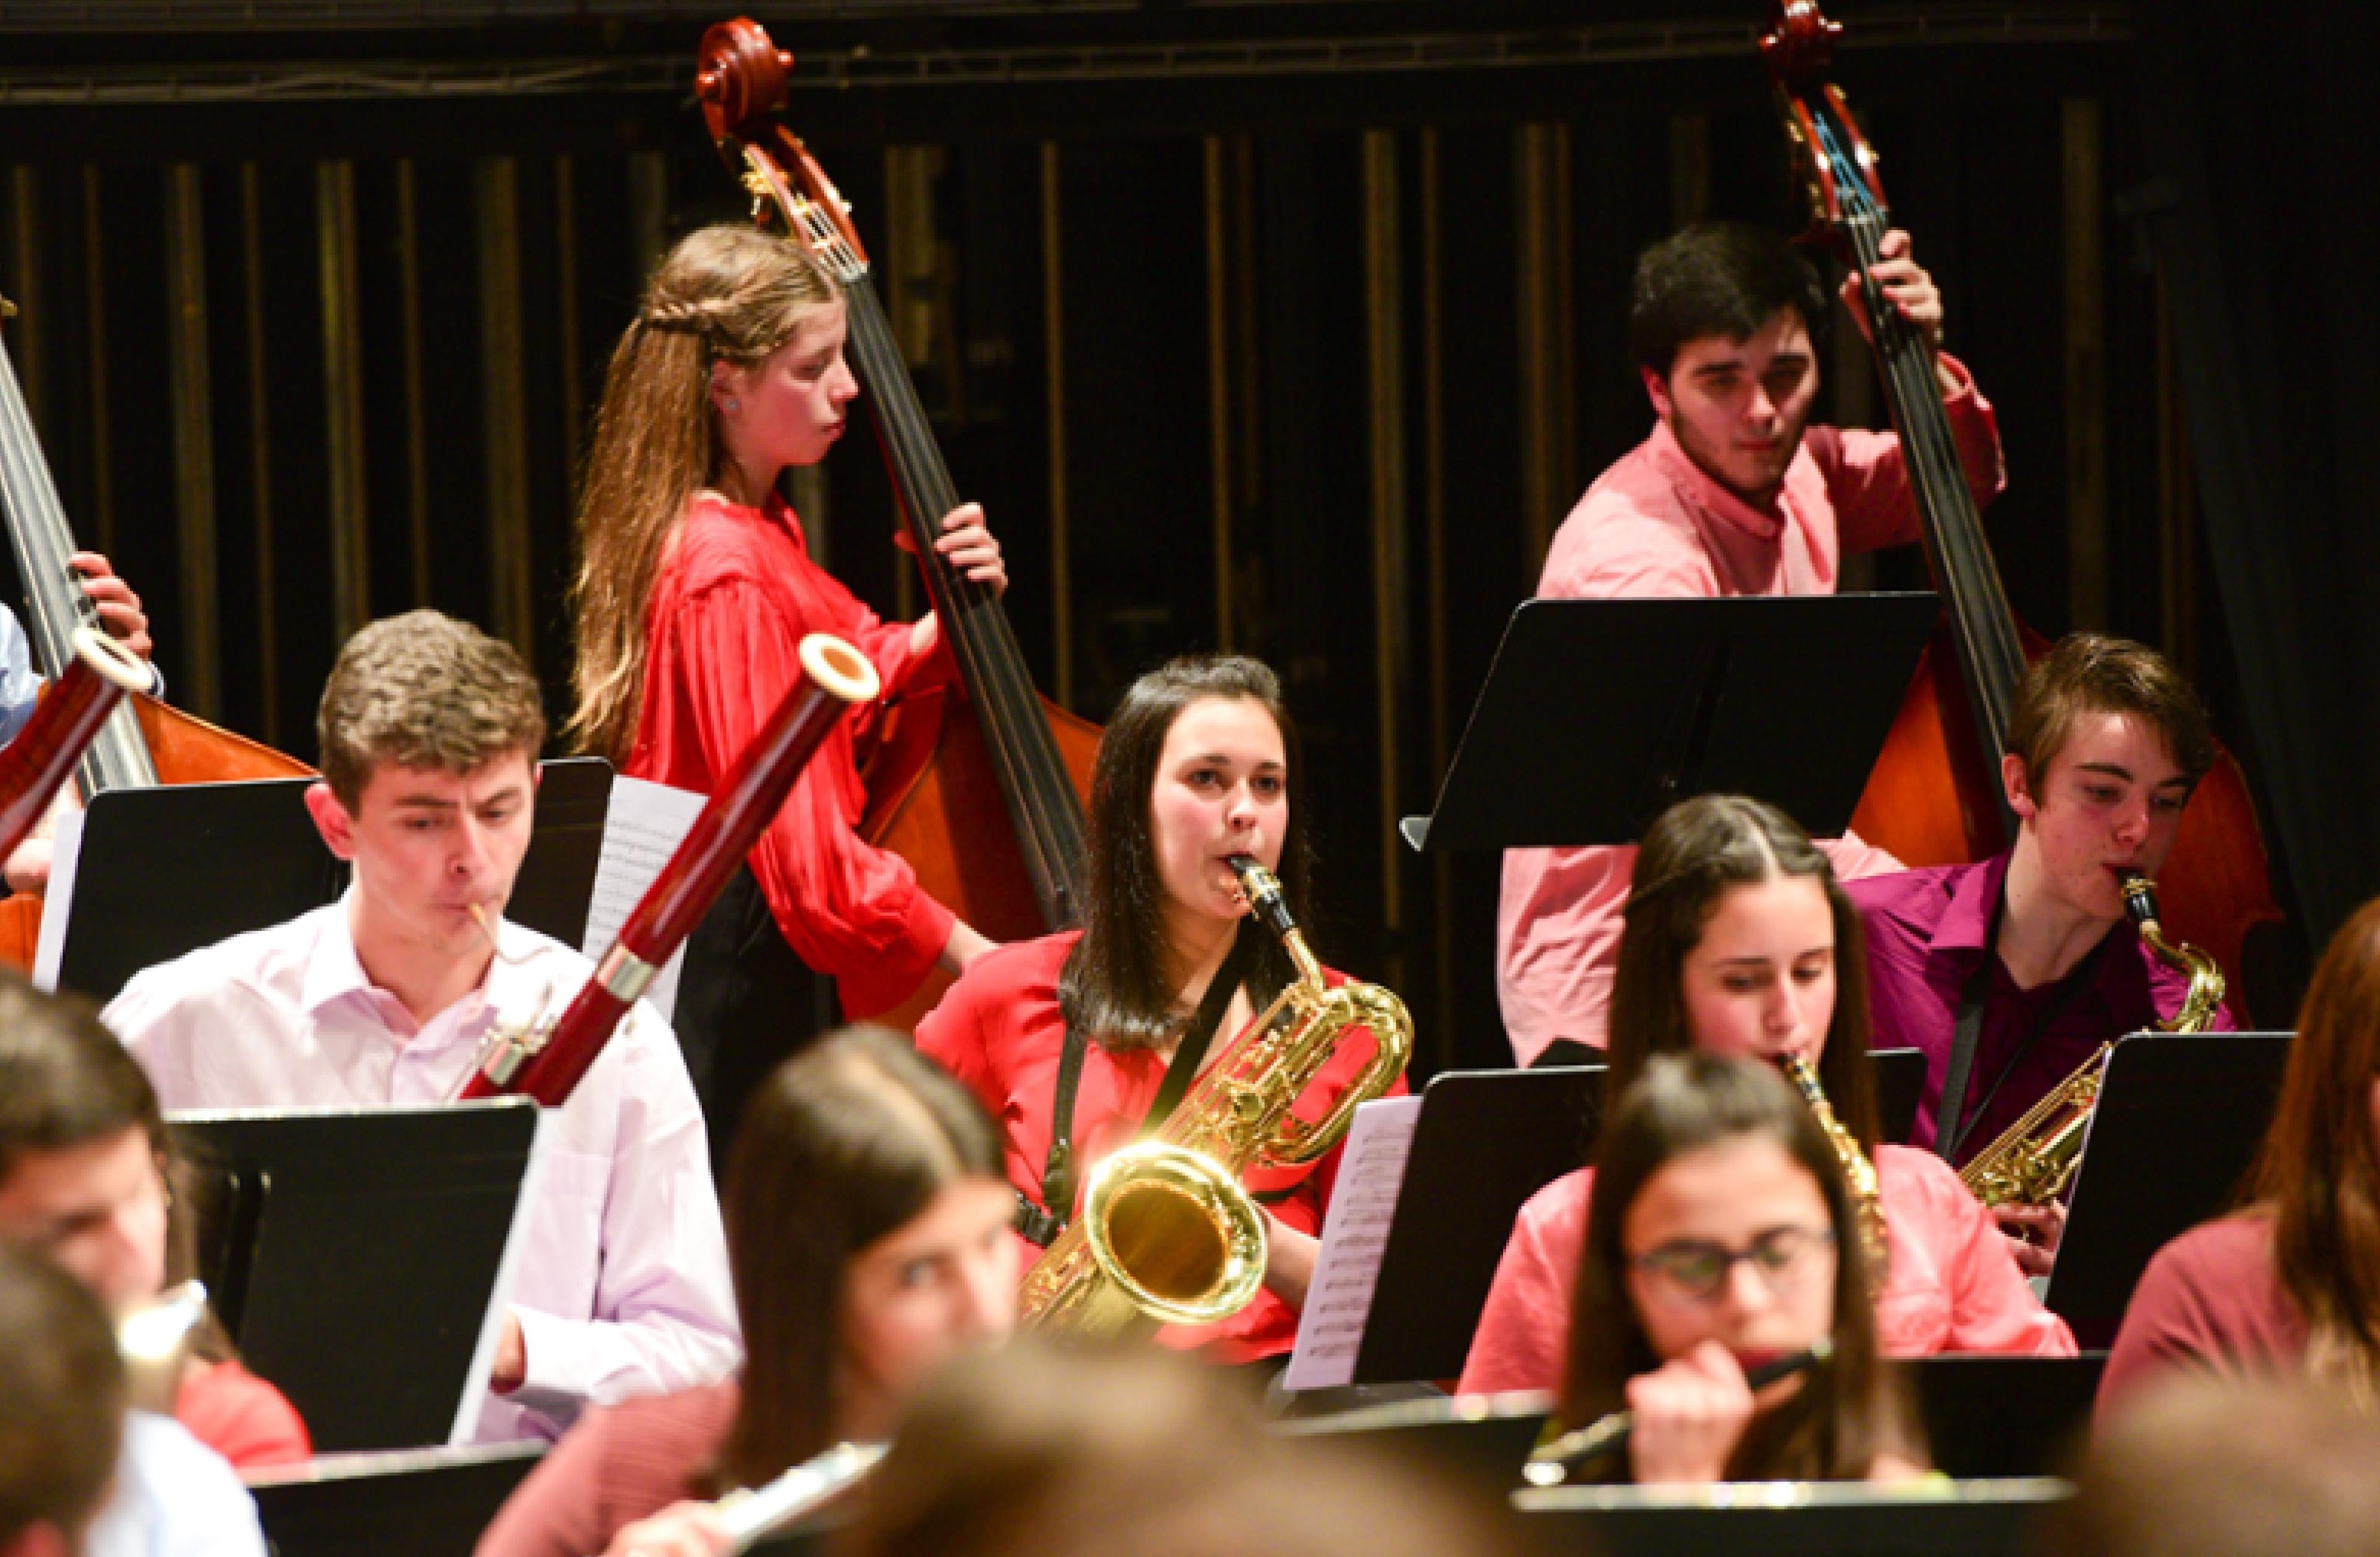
734 405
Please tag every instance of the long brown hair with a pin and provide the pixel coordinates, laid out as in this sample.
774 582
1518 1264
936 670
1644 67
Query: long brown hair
1695 853
843 1143
1846 1413
2319 1171
725 294
1114 986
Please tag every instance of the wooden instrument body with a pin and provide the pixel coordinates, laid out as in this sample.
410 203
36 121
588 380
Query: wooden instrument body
1934 796
983 796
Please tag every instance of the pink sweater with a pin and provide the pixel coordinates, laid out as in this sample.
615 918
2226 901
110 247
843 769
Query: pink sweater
1656 527
1953 1286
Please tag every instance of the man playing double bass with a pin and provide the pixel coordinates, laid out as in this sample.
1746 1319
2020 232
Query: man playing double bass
1733 493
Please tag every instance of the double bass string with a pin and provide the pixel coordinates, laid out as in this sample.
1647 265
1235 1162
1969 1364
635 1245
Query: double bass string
1013 715
1968 579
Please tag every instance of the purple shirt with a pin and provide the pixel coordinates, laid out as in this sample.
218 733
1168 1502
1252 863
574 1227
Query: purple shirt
1925 936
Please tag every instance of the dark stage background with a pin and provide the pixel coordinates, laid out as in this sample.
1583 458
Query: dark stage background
1292 328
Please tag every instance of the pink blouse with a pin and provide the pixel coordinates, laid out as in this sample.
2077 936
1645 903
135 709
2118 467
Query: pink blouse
1953 1287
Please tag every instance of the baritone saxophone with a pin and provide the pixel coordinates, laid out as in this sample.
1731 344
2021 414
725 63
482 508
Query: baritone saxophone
1166 1234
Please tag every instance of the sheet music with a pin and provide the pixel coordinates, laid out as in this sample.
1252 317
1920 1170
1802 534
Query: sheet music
643 825
1355 1235
65 848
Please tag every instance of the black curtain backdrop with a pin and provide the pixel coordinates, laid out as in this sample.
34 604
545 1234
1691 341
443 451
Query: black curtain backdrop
2259 131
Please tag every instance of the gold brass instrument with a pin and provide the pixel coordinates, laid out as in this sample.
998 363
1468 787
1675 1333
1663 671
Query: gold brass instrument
2032 1159
1857 1170
1166 1234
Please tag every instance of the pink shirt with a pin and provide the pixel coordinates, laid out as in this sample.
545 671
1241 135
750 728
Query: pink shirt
1953 1286
1657 526
622 1288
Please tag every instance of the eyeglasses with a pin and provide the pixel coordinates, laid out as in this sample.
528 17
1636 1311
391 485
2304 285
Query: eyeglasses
1696 1270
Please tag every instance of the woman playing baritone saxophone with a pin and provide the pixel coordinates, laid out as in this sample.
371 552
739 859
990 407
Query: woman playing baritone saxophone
1199 763
1740 942
695 590
1726 1238
868 1226
2292 1282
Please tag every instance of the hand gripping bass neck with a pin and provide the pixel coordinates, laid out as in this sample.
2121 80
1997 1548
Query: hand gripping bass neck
546 1062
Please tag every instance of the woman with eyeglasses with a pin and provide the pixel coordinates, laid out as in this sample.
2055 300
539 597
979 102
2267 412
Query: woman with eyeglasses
1740 942
1723 1238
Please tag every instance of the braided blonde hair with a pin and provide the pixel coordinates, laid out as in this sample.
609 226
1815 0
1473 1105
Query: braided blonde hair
727 293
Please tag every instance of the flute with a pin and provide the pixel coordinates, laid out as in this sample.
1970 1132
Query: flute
1550 1464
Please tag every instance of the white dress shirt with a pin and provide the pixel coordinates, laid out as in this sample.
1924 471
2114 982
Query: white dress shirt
174 1497
621 1289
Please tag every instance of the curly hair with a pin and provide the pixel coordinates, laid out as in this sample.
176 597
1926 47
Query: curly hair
423 690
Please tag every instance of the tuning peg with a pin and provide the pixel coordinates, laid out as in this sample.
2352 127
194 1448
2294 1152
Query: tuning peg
784 60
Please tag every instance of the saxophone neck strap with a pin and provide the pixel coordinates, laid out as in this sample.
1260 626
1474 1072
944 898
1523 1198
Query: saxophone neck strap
1059 1179
1955 1122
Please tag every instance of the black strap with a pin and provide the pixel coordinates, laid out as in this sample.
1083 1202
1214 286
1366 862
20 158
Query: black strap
1950 1128
1058 1173
1191 1053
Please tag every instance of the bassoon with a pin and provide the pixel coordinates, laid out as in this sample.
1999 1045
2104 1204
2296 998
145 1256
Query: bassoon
72 712
546 1061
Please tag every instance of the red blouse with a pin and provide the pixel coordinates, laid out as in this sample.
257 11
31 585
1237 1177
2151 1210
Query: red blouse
241 1417
736 595
1953 1286
998 1030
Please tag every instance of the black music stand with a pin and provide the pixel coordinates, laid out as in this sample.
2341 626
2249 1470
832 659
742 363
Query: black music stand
1798 1519
1486 1438
162 872
1900 1081
1599 715
1455 1211
2004 1415
354 1257
2177 1127
419 1502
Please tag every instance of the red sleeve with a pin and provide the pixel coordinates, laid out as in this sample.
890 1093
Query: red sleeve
241 1418
1867 479
852 912
1524 1329
955 1033
558 1510
2208 1302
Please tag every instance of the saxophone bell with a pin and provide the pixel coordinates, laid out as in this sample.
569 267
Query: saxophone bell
1167 1236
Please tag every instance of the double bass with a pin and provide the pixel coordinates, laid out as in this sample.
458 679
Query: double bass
141 742
1934 796
984 799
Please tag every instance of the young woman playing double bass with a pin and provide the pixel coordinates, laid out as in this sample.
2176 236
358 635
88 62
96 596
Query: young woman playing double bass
1199 763
694 588
1740 942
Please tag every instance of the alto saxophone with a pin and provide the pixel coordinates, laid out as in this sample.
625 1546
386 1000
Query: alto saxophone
2032 1159
1166 1234
1857 1170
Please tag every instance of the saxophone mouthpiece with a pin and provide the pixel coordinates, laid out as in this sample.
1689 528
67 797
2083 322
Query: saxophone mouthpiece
1261 888
2140 896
